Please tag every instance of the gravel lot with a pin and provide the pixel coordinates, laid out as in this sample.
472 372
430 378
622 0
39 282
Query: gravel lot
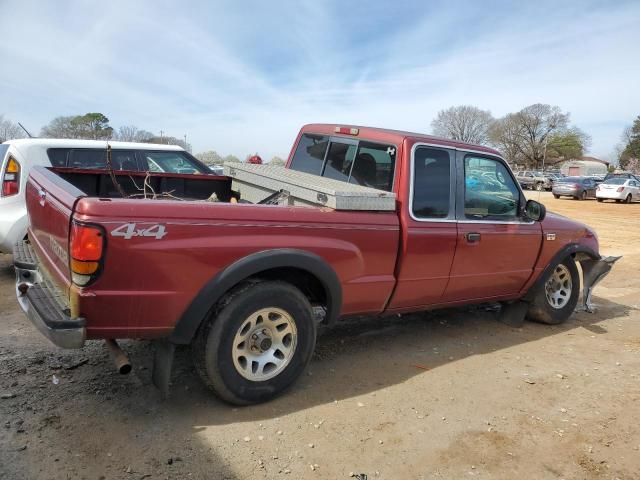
450 394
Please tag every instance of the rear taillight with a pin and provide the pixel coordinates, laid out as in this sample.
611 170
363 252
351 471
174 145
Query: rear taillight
86 246
11 178
620 189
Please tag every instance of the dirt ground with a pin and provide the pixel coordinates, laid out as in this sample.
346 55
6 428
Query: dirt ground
451 394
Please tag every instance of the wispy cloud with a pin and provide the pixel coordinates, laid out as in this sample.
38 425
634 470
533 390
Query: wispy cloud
238 78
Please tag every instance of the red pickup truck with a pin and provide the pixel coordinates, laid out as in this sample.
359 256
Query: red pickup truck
248 284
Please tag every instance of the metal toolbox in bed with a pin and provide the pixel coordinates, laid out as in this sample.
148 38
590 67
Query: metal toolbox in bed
257 182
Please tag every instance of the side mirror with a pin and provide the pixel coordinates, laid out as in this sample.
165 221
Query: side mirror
535 210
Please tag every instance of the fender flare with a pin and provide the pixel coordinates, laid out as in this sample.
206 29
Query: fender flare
249 266
564 252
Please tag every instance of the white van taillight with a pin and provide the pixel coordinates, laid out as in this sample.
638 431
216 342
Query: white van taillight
11 178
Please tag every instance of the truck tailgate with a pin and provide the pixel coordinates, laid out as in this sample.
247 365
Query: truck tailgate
50 202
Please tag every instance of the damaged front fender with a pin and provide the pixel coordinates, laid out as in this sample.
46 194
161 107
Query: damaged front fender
594 270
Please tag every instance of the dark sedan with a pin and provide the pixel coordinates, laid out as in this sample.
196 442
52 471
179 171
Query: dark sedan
579 188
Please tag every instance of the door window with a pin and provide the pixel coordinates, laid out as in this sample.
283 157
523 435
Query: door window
431 183
490 192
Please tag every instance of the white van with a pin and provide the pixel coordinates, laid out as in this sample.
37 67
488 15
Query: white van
18 156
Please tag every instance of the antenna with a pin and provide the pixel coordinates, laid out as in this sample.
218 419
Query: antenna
26 131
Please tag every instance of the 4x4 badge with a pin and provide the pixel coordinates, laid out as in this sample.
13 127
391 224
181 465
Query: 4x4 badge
551 236
130 230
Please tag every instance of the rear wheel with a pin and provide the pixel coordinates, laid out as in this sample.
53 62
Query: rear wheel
628 199
557 297
583 195
556 196
599 199
257 344
539 186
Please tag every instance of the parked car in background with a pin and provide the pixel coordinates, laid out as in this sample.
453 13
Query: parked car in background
579 188
534 180
619 189
18 156
627 175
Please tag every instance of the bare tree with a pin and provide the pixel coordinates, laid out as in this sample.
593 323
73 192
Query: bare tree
464 123
131 133
524 136
9 130
277 161
210 157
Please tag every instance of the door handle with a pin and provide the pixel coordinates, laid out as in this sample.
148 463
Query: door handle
472 237
43 195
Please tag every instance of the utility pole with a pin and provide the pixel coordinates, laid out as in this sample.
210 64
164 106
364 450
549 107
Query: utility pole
161 139
185 142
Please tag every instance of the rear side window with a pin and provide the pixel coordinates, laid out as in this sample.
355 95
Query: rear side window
97 159
431 183
309 156
171 162
58 156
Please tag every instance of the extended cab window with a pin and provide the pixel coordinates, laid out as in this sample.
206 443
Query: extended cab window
310 153
490 192
346 159
431 183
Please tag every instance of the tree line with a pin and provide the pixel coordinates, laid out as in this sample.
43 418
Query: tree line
537 134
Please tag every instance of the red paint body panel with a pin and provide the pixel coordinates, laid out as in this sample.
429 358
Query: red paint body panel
385 261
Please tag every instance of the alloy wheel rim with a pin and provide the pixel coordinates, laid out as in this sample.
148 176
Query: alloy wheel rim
558 288
264 344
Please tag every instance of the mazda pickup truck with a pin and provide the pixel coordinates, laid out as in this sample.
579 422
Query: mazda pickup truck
247 284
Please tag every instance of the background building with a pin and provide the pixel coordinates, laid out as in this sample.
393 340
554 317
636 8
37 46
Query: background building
584 166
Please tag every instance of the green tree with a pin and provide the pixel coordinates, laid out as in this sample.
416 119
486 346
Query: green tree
567 145
91 126
632 144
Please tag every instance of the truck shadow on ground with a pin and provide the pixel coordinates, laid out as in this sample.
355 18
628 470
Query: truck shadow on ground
363 355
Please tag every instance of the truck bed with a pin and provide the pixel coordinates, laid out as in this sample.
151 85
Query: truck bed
155 277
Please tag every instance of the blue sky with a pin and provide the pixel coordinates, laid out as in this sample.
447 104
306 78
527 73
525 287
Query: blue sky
240 77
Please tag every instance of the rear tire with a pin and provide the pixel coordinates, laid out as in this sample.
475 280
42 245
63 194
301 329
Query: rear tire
556 196
600 200
557 297
583 195
539 187
257 343
628 199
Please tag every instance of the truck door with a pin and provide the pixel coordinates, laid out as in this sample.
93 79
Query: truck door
497 248
429 232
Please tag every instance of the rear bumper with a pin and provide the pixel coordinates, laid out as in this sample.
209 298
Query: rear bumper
42 302
611 195
569 192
